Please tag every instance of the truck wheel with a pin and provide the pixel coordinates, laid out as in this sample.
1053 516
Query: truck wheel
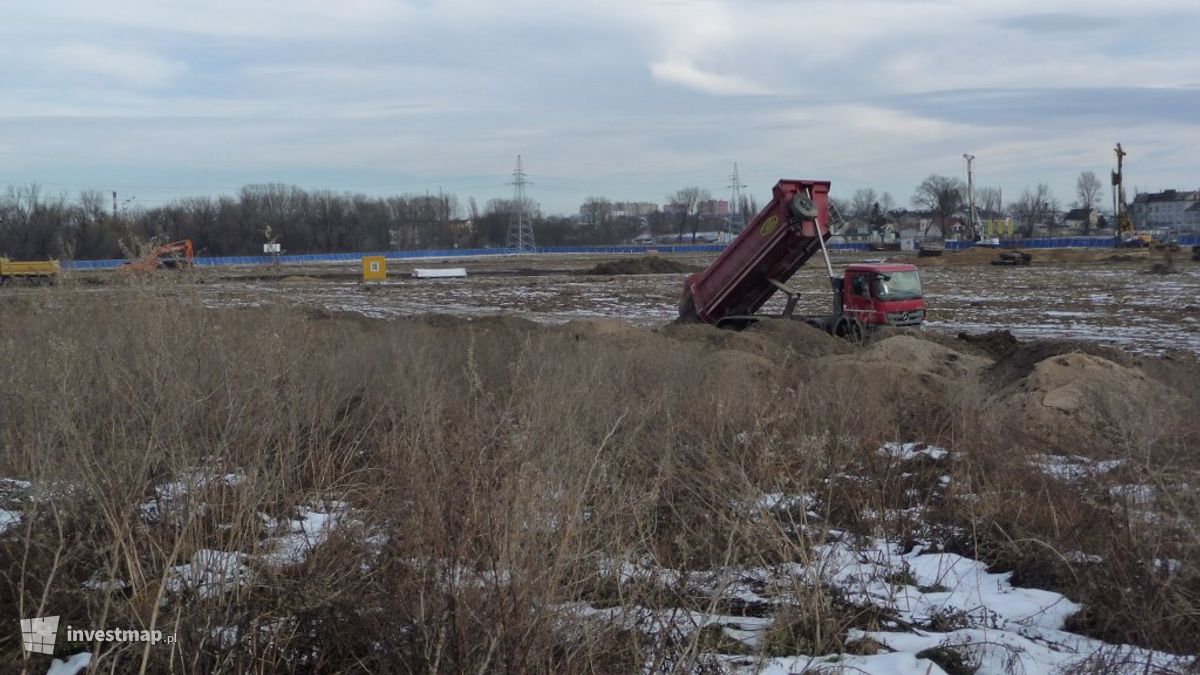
803 207
849 330
687 308
855 332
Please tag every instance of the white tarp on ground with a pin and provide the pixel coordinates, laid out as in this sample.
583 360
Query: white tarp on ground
442 273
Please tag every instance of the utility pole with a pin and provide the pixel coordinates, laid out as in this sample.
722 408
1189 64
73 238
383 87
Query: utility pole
520 233
735 200
114 205
971 194
1122 224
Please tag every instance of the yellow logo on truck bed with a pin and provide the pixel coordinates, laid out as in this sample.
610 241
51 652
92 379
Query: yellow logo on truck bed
769 226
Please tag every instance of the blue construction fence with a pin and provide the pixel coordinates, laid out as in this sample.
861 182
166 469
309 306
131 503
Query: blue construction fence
218 261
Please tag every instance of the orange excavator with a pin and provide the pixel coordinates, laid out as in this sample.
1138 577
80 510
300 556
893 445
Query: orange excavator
175 255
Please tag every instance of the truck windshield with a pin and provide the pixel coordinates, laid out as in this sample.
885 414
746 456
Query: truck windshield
898 286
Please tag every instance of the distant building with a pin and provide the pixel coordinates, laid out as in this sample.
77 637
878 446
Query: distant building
633 209
1081 220
714 207
1166 210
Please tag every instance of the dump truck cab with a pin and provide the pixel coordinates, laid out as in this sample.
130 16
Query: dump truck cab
883 295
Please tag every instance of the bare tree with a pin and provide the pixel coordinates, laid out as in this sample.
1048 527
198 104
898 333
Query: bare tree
1036 206
596 211
886 203
861 205
1087 189
988 199
942 196
686 201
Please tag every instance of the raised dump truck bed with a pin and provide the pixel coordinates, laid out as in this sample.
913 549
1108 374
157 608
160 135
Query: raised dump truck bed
780 239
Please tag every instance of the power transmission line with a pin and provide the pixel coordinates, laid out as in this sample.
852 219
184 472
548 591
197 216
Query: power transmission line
520 233
735 199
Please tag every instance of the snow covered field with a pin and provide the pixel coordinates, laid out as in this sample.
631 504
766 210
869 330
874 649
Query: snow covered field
1112 303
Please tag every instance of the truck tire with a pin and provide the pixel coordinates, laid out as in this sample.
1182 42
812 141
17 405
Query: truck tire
849 330
803 207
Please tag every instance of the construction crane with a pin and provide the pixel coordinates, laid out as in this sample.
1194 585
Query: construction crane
1126 235
175 255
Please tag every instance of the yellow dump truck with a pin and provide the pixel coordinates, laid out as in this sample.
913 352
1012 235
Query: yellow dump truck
32 272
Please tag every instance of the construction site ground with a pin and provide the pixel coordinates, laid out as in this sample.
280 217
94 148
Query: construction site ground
1107 296
536 442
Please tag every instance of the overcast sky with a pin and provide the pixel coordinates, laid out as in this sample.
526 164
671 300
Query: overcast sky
621 98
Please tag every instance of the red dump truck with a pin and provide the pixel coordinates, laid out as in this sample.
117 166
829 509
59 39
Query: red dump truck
790 230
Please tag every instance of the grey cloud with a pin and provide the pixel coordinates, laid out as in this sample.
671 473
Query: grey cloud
1058 22
1048 107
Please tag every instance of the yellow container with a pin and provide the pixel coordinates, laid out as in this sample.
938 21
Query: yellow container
33 271
374 268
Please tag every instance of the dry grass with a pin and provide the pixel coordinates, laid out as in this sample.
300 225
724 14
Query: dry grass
496 474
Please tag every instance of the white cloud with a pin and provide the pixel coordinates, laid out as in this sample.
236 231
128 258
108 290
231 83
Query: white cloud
594 92
126 65
689 76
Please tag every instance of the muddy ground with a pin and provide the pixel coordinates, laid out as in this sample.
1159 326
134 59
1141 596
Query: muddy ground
1093 295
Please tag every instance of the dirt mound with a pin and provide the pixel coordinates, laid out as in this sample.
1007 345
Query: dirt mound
499 324
298 279
1022 358
968 256
645 265
732 365
607 330
995 344
922 356
719 339
1068 394
979 255
801 338
1160 268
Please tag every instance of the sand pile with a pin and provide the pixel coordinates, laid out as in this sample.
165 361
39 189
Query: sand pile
908 359
1069 394
801 338
644 265
607 330
1016 360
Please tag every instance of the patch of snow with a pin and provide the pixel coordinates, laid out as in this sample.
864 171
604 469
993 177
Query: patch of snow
210 573
71 666
173 495
1081 558
778 501
1134 495
1074 467
909 451
98 582
303 534
899 663
8 519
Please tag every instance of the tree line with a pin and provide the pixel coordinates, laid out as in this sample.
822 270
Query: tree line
944 197
36 225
